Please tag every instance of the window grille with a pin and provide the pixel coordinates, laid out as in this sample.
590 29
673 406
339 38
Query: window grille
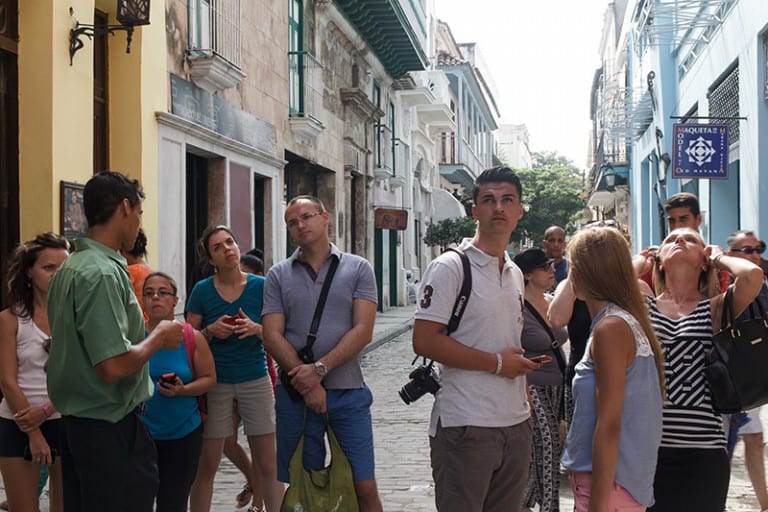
214 29
724 102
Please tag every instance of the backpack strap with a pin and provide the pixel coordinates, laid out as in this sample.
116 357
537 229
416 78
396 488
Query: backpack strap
189 345
466 289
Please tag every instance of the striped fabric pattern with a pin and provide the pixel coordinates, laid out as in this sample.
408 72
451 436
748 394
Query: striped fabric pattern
689 421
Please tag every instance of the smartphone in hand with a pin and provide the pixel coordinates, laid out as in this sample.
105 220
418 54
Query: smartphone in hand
168 378
230 320
541 358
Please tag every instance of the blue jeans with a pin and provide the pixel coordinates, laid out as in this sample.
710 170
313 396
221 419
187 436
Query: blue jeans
349 413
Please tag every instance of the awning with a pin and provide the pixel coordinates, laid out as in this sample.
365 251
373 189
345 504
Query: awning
445 205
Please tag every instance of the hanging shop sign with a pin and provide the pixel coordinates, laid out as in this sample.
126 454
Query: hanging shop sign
390 218
700 151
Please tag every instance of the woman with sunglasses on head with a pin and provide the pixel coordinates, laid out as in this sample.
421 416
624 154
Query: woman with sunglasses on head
545 385
692 471
172 416
227 308
610 451
29 425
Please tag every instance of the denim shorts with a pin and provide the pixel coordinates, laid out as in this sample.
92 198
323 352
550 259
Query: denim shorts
349 413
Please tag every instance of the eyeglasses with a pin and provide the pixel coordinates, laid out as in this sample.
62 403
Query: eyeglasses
149 293
760 249
302 218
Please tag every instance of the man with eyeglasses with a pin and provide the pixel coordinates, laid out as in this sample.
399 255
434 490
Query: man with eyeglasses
745 244
98 375
329 381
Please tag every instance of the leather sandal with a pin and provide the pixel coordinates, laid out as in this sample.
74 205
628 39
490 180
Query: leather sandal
244 497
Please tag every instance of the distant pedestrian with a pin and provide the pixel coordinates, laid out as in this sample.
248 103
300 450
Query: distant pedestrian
745 244
479 434
137 267
332 382
98 377
29 423
611 448
554 246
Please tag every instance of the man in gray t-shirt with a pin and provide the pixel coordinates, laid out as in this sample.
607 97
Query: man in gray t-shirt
332 382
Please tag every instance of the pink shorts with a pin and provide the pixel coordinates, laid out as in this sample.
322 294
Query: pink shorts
620 500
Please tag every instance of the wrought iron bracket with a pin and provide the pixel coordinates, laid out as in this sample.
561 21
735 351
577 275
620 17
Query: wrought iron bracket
89 31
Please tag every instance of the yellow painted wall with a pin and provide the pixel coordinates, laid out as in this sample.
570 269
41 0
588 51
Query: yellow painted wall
56 107
138 88
55 110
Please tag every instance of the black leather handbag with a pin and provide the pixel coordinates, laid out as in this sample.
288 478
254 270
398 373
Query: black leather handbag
737 365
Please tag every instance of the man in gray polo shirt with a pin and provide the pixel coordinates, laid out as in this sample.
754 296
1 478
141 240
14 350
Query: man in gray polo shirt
333 383
480 437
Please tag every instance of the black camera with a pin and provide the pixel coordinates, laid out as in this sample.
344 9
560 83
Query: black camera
424 379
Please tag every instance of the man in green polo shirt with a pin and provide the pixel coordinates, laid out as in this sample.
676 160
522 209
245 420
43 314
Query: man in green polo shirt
97 373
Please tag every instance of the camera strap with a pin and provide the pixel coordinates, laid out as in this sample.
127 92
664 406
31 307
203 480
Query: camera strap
312 336
466 289
555 345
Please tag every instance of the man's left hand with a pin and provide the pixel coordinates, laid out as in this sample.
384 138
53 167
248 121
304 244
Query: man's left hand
304 378
315 399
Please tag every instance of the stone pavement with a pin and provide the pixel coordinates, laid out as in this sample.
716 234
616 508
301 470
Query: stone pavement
400 430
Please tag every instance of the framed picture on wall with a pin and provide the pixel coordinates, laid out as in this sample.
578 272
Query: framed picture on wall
73 223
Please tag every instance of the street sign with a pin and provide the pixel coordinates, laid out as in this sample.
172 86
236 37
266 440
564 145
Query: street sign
700 151
390 218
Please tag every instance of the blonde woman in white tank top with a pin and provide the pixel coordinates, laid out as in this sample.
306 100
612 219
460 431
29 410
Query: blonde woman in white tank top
28 421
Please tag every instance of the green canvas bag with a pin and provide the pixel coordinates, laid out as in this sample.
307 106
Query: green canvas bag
331 489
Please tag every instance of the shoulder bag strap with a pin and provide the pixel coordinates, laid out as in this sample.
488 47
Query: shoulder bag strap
189 345
312 336
466 289
727 317
555 345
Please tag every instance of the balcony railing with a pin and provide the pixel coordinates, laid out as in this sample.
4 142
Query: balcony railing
383 154
215 29
305 82
449 148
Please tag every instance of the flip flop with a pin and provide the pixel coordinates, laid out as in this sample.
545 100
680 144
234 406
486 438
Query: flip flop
244 497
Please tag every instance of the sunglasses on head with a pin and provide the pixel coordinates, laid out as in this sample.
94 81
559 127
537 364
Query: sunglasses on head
760 249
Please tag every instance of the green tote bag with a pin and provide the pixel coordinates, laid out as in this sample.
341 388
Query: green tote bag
331 489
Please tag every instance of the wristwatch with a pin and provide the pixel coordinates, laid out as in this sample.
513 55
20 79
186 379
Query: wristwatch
321 369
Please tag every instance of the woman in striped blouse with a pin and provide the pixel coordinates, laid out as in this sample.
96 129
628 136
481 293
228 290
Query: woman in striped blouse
692 472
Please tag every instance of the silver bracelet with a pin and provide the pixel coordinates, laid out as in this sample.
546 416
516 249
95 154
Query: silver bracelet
498 364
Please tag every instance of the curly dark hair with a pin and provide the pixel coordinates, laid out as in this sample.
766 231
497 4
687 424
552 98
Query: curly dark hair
24 257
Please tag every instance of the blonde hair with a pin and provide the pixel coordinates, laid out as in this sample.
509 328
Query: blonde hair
601 269
709 285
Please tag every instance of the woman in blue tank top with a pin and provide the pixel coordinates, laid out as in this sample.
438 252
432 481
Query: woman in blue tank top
172 416
610 451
